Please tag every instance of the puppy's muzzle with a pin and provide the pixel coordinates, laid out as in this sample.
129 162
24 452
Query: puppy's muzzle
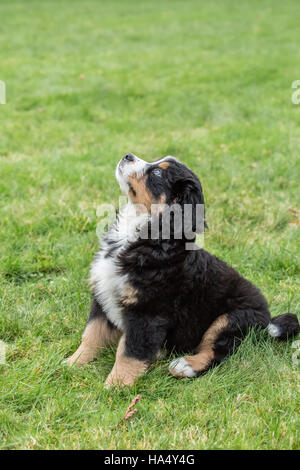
129 157
129 165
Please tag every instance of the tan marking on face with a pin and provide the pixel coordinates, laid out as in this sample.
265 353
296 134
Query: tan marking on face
129 295
97 334
126 369
140 194
205 352
164 165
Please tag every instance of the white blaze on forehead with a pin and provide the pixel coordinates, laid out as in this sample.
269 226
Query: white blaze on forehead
138 167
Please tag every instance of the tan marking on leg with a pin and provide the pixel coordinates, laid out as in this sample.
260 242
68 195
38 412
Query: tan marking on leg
205 352
96 335
164 165
126 369
129 295
213 332
200 361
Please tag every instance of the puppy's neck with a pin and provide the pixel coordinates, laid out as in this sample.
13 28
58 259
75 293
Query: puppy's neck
127 227
130 220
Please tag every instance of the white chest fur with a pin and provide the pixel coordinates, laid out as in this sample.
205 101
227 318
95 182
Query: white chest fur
107 282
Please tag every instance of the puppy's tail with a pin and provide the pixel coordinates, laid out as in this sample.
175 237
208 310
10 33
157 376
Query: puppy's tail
284 326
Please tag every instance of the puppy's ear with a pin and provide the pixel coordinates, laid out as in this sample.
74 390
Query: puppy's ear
188 193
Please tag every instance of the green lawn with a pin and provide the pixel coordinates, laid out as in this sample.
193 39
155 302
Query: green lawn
87 81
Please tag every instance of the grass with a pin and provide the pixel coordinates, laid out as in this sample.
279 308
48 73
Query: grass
87 81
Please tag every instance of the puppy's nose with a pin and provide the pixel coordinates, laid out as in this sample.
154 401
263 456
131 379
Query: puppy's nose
129 157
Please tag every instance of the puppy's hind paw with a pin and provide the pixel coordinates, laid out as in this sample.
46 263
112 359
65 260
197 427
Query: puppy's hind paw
181 368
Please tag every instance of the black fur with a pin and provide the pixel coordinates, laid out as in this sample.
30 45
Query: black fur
181 293
287 324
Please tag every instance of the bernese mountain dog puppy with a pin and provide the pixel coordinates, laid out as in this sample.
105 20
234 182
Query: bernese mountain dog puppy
152 293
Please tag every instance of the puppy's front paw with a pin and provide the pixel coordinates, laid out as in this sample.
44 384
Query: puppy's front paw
80 357
116 380
181 368
73 360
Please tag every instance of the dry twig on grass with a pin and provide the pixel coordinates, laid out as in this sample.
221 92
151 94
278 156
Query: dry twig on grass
130 412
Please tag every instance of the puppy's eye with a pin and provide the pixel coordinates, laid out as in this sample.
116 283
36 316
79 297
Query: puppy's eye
157 172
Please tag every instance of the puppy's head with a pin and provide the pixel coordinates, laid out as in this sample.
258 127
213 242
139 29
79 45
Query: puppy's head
163 182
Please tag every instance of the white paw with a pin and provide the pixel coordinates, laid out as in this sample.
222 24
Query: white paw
181 368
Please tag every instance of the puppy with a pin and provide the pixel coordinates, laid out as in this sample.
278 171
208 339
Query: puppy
154 292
